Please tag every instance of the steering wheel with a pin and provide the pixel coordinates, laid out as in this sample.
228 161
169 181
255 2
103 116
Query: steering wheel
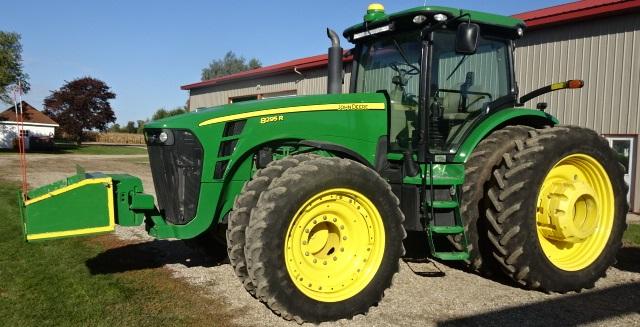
401 71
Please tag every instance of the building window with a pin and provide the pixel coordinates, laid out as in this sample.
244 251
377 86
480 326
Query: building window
625 148
243 98
24 133
282 94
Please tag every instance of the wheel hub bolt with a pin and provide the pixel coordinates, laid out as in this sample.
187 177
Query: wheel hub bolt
306 253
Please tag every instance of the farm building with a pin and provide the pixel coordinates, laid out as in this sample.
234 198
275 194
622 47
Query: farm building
594 40
37 126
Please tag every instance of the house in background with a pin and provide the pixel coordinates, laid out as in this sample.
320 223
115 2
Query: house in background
37 126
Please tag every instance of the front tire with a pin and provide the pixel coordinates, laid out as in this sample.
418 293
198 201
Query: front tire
242 207
558 209
325 241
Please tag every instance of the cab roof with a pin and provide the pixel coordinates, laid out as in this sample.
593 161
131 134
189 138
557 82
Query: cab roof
482 18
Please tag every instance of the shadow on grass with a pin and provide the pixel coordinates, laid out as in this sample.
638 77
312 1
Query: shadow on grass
154 254
571 310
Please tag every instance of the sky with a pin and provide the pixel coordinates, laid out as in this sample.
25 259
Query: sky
145 50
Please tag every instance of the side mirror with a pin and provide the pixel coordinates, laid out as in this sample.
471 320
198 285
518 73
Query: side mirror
467 38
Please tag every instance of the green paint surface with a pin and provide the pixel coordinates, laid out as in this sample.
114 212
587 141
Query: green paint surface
80 208
475 16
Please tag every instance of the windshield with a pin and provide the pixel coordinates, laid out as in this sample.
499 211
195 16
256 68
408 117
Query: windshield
392 64
463 86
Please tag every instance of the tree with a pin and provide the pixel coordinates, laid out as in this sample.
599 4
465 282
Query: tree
229 64
164 113
11 65
79 105
140 128
131 127
115 128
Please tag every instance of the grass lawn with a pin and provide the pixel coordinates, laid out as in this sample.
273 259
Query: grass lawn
632 235
105 149
66 148
49 284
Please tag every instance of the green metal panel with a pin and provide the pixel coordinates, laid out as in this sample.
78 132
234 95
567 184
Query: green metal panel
129 197
42 190
81 208
443 174
207 204
495 120
344 119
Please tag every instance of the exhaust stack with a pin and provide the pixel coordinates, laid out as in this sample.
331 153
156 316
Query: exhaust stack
334 77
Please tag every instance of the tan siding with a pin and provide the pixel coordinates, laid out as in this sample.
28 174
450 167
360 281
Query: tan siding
307 82
604 53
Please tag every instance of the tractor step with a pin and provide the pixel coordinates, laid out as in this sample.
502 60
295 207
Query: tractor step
439 229
451 255
443 204
447 229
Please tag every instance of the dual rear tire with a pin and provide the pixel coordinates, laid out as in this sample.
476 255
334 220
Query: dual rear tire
556 209
547 207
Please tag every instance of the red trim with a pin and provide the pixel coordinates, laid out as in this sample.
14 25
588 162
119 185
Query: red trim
289 66
575 11
569 12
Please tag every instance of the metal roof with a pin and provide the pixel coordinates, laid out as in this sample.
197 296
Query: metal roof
575 11
288 66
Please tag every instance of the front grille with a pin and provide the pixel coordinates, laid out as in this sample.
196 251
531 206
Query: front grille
177 171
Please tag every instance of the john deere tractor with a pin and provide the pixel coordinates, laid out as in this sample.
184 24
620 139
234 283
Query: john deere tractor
318 192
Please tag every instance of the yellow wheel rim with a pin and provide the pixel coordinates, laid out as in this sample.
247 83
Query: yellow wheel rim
575 212
334 245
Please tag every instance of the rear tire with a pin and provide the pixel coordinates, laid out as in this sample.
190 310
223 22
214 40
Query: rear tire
558 208
242 207
311 194
480 164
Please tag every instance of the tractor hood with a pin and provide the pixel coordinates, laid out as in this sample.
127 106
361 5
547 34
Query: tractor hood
271 107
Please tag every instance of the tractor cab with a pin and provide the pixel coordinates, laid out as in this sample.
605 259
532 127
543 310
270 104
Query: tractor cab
443 70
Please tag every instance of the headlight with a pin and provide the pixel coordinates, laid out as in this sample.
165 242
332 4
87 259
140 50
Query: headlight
159 137
440 17
163 137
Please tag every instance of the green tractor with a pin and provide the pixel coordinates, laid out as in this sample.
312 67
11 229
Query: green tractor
318 192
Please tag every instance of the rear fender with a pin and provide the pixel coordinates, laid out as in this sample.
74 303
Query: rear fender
500 119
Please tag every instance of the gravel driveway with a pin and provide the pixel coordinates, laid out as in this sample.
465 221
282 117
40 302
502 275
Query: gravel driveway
424 293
